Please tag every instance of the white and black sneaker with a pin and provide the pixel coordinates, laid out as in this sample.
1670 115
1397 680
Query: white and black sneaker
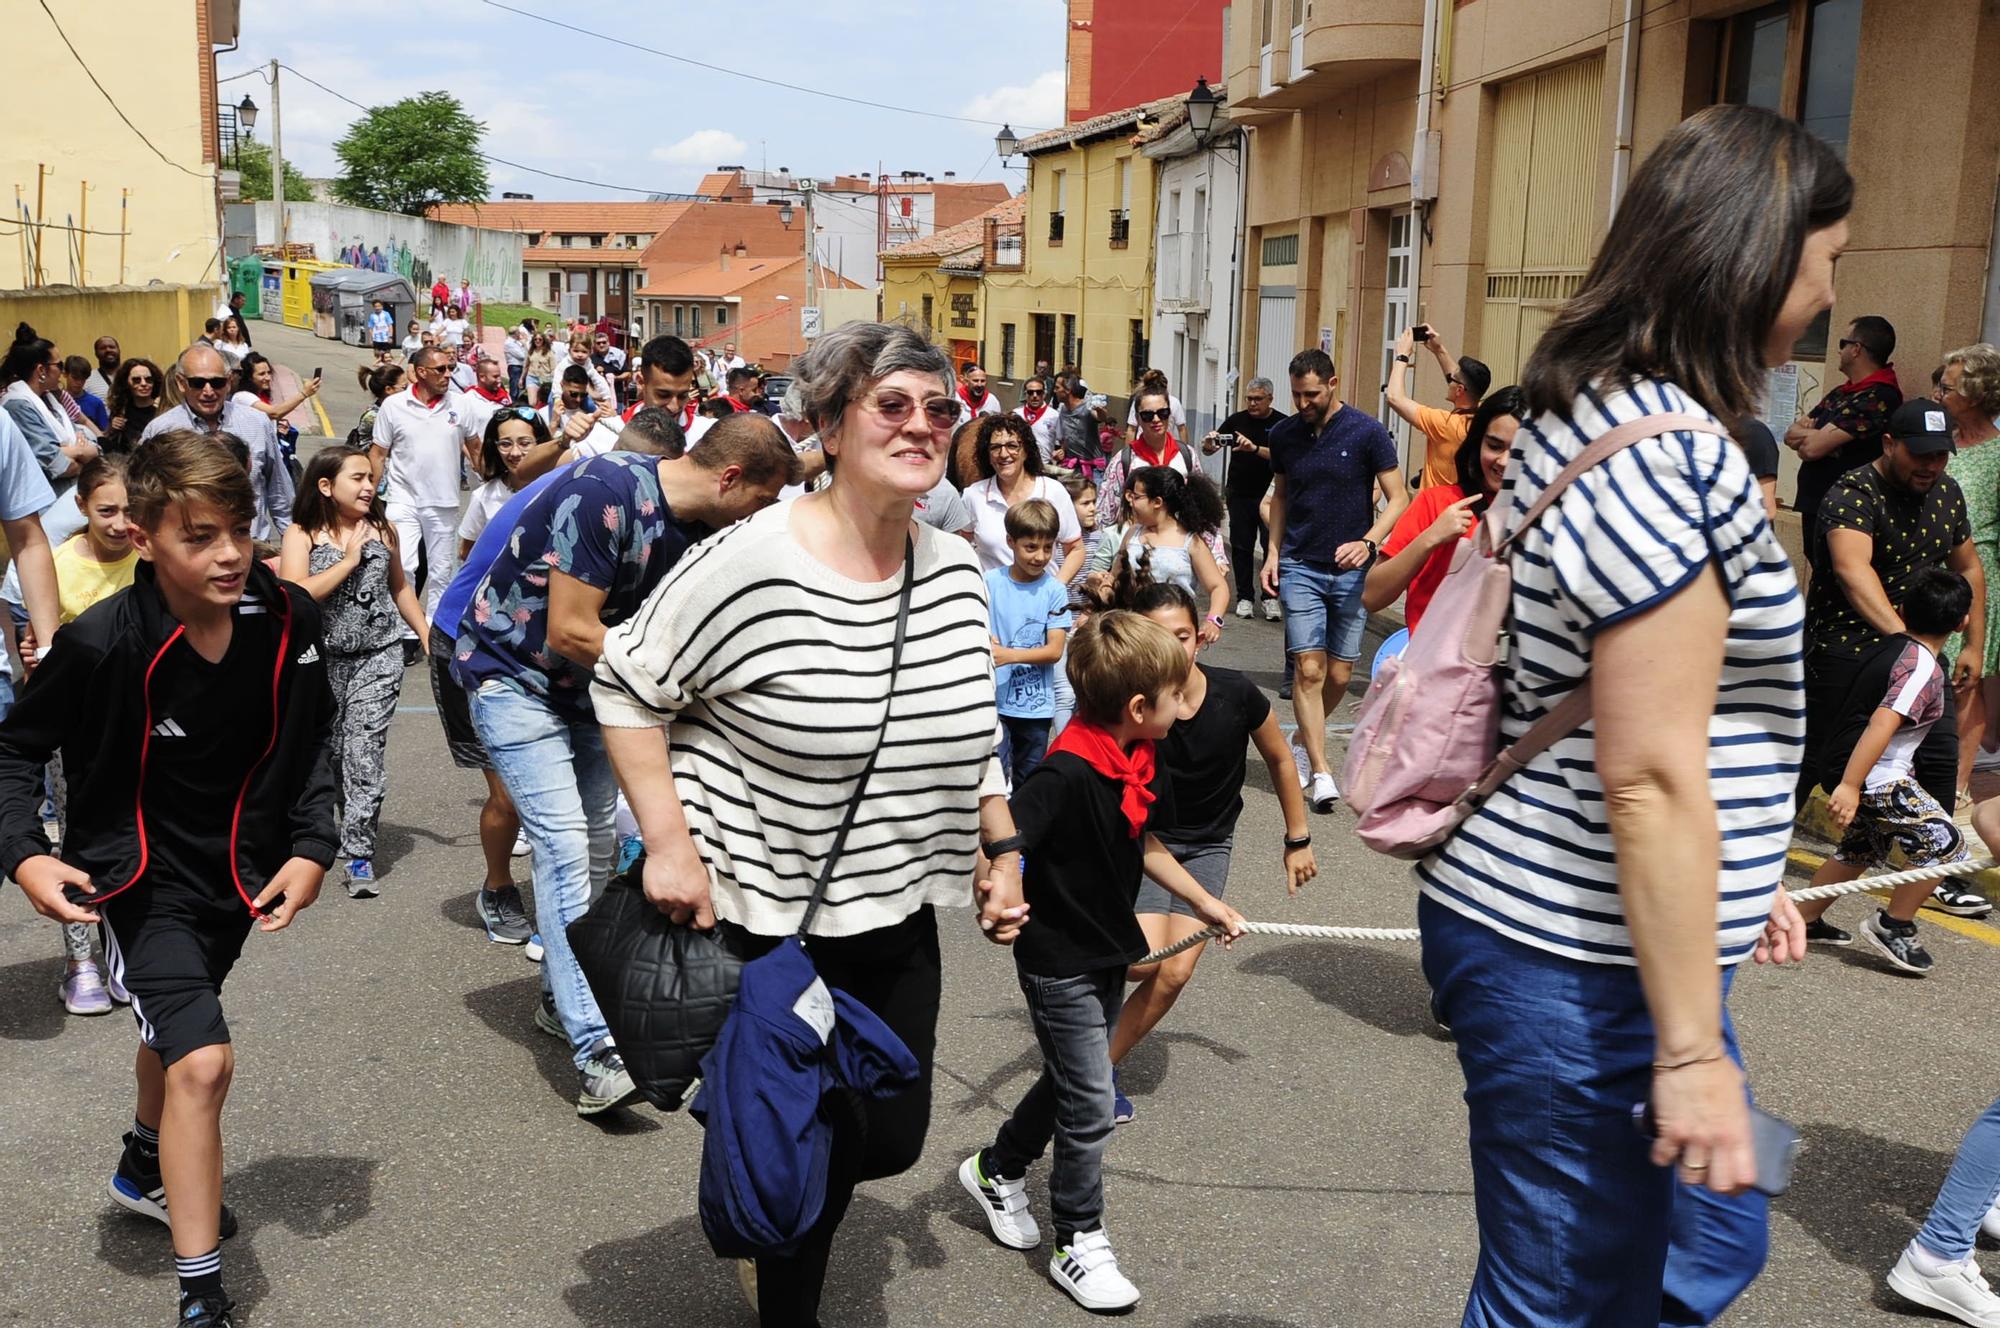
1324 793
1897 942
1088 1270
1005 1203
605 1082
1952 897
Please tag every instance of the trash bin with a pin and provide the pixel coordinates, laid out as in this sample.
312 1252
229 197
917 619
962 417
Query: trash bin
246 278
342 300
294 288
271 290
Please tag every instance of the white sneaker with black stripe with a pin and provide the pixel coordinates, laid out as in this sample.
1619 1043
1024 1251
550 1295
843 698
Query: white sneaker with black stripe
1088 1270
1005 1203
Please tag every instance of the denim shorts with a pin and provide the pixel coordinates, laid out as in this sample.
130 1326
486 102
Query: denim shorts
1323 609
1207 863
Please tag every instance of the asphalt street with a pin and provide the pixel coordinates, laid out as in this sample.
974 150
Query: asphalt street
402 1147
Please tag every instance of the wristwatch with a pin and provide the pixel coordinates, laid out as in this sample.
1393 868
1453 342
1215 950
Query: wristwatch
1216 618
1403 359
1374 549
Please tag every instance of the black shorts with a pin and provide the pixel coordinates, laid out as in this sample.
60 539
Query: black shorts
454 707
172 949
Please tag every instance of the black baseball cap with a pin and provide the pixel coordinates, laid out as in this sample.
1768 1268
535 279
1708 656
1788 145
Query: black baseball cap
1923 427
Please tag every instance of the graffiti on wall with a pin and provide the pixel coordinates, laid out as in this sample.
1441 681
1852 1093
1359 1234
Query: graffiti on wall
482 267
413 248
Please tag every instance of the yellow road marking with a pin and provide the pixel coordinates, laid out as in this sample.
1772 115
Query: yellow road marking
325 425
1978 931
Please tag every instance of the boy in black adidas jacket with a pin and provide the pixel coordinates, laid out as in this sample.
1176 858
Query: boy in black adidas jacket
193 715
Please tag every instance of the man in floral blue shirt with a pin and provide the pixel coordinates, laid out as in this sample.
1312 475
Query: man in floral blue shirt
587 551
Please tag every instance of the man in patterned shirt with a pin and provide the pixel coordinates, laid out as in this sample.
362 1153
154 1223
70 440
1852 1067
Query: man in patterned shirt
1845 428
1880 525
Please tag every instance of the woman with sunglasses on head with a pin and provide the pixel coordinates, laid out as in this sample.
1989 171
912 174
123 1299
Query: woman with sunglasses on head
1010 472
136 396
509 436
740 707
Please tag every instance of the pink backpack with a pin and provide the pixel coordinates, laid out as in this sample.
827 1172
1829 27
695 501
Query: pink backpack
1425 749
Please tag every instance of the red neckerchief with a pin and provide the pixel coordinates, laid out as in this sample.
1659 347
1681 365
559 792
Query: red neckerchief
966 397
1165 456
1133 769
496 397
688 412
1883 377
738 404
1039 412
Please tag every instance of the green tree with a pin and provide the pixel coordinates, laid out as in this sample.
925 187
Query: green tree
253 159
407 157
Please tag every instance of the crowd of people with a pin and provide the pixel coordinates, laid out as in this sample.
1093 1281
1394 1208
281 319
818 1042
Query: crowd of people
641 594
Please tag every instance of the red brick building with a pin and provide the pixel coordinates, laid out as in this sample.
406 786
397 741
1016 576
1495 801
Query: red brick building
1122 52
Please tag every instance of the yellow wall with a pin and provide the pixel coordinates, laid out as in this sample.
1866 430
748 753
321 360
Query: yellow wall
62 122
151 322
1104 288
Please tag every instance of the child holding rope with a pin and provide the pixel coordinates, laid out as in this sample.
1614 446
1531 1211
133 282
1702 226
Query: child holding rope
1898 695
1083 818
1205 758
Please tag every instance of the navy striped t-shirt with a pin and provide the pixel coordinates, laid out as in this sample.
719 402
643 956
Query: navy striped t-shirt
1536 862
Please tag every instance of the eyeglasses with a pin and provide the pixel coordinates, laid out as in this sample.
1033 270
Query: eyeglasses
521 413
1454 380
209 384
1155 416
1034 392
941 412
1845 342
1009 445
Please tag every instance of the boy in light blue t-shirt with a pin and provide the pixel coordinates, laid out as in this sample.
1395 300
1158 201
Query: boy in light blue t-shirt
1030 616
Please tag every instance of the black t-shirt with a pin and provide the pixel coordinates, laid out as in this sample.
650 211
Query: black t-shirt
1082 867
210 725
1760 449
1861 409
1206 756
1909 533
1247 470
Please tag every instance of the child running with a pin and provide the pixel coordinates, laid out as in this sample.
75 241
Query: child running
1171 519
193 717
1084 820
91 565
510 434
1029 609
1204 756
342 549
1898 695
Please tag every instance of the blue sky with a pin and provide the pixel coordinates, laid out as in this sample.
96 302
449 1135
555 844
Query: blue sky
574 104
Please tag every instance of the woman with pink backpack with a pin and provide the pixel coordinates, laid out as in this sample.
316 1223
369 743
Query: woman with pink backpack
1583 912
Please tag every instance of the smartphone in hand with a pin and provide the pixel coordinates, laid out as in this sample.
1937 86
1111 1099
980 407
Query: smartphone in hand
1774 1143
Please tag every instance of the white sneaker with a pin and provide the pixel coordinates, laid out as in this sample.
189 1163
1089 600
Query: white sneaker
1271 610
1990 1224
1243 608
1324 792
520 849
1005 1203
1957 1290
1088 1270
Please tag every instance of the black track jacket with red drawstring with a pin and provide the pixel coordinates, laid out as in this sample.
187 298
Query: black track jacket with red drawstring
90 699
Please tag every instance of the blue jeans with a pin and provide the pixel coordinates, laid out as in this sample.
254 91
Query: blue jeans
1073 1102
1323 609
556 772
1577 1227
1970 1188
1023 744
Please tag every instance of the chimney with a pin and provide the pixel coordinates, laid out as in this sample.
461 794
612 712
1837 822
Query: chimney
742 250
725 258
951 175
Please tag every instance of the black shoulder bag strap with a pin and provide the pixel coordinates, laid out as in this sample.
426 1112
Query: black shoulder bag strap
861 784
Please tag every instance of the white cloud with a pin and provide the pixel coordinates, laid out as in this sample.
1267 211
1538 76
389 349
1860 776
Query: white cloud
704 148
1025 106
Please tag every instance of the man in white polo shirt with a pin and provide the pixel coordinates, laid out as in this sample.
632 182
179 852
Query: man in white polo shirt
1041 417
420 434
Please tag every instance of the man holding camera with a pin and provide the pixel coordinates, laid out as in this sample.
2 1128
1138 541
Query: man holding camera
1246 437
1465 382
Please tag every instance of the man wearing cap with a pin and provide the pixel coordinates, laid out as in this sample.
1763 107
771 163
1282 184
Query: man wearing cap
1465 382
1878 526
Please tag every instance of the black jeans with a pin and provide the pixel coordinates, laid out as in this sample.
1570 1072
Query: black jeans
1073 1101
1245 529
1829 680
895 972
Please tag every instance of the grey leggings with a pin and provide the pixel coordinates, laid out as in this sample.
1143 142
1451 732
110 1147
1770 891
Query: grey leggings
365 688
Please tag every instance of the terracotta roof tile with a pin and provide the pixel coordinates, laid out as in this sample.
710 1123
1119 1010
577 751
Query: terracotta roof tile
1109 122
967 234
510 214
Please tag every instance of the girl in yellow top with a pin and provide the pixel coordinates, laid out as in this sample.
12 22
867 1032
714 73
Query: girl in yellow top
97 562
94 564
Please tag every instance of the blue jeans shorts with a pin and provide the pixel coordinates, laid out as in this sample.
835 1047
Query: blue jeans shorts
1323 609
1207 863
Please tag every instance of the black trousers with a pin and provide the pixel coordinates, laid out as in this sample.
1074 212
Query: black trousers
1246 528
1829 680
896 973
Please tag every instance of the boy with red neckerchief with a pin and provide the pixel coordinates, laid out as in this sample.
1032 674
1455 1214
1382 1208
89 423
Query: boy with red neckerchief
1082 817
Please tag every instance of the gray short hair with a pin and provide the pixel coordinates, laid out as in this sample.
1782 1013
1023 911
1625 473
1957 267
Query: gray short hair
655 432
792 406
843 362
1261 383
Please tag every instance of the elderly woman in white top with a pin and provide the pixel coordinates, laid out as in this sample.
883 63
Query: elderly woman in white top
1010 472
742 700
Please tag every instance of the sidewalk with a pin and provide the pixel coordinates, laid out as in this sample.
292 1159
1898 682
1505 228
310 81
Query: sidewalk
296 353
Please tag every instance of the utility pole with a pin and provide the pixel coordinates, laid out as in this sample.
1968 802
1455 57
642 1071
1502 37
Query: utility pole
810 187
278 154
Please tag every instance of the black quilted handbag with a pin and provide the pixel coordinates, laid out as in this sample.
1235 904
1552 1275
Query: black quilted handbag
665 988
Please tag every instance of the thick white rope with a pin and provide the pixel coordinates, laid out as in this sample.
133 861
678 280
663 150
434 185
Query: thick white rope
1301 931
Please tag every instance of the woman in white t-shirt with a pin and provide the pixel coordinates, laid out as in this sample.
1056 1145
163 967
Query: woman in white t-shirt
509 436
1010 472
1581 928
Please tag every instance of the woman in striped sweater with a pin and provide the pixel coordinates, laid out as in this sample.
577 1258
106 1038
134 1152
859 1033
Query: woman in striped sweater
741 702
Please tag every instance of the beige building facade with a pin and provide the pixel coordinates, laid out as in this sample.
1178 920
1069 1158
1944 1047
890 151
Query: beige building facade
1457 164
